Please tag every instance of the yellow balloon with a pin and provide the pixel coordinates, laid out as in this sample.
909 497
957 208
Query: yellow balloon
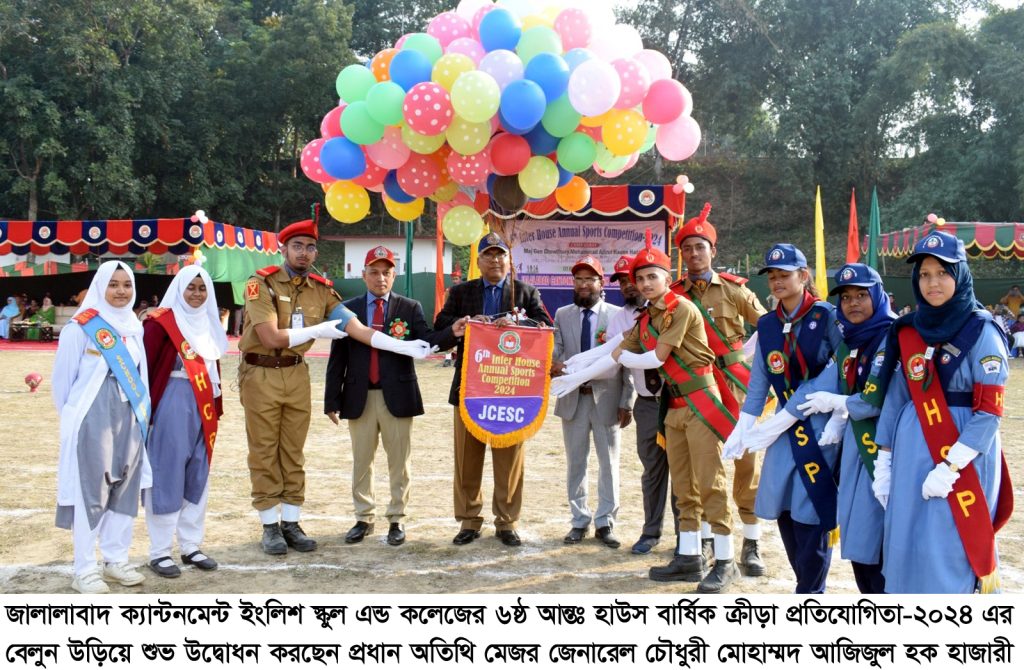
421 144
534 20
624 131
347 202
448 68
445 192
595 121
404 211
466 137
462 225
549 14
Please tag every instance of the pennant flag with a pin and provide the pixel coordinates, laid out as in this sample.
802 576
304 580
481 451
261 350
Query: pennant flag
820 278
852 235
874 230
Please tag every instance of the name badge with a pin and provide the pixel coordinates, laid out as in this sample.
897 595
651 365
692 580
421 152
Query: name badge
297 320
284 298
787 327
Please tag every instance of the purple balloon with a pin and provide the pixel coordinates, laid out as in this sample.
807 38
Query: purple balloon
503 65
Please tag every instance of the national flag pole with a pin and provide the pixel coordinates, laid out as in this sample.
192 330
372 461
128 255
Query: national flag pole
874 230
820 278
853 235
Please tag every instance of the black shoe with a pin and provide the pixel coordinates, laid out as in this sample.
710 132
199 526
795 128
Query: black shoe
645 544
465 536
575 535
681 569
295 538
509 538
273 541
707 551
604 533
396 534
165 567
358 532
721 576
750 559
199 560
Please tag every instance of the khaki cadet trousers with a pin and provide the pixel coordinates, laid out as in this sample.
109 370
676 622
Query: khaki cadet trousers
377 422
277 411
507 463
695 461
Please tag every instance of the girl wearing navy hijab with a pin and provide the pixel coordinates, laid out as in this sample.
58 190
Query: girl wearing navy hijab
865 317
795 342
943 503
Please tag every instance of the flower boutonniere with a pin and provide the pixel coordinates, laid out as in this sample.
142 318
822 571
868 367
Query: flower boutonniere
601 336
398 329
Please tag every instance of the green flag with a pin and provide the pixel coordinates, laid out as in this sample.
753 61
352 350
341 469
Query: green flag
874 231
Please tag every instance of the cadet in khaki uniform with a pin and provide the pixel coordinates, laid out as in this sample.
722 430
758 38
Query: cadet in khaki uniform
286 308
670 337
728 304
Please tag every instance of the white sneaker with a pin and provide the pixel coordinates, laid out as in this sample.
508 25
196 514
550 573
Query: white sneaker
90 583
123 574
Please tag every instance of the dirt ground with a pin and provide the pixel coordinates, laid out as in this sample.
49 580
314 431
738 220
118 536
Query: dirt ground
35 557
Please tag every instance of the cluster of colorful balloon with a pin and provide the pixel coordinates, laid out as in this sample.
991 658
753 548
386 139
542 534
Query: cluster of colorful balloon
515 98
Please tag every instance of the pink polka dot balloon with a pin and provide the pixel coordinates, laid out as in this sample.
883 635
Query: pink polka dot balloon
420 176
469 170
479 15
428 108
390 152
310 162
448 26
466 46
573 26
331 124
635 82
374 174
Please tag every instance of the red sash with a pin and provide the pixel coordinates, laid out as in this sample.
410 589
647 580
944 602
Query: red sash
686 387
195 368
967 501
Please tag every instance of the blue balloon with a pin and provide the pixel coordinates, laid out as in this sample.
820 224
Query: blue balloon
342 158
522 103
490 182
550 72
409 68
509 127
573 57
393 190
500 29
564 176
541 141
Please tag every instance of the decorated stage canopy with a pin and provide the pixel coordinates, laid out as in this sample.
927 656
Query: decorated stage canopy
608 200
988 240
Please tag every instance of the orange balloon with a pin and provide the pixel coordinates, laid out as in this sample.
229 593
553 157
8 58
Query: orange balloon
381 64
574 196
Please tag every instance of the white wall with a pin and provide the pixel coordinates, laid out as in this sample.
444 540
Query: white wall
424 254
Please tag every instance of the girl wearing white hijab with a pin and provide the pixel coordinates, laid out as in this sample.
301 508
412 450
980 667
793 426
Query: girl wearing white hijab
102 464
181 444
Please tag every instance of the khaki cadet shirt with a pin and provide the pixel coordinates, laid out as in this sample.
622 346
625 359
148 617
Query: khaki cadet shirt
685 332
729 304
316 299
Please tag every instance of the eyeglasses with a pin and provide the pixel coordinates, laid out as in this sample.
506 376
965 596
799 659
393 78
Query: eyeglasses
298 247
586 280
494 258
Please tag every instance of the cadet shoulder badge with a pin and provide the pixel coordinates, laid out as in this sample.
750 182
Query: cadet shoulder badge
776 362
252 289
916 367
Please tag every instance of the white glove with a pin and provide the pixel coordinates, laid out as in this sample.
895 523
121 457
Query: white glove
585 358
960 455
646 361
413 348
327 330
823 402
939 482
566 384
733 447
883 477
833 431
764 434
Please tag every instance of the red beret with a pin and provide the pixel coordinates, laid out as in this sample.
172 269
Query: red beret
591 263
698 226
380 253
307 228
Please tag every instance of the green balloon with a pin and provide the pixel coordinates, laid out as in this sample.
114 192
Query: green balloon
354 82
425 44
539 178
560 118
359 126
468 138
652 134
538 40
475 96
577 152
384 102
605 160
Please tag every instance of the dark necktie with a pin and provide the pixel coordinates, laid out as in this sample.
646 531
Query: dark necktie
585 337
378 325
652 380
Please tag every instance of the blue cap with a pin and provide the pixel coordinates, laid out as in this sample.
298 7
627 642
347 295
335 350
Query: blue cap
855 274
491 240
942 245
783 257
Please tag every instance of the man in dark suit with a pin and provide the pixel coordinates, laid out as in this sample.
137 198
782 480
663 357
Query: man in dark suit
377 391
493 295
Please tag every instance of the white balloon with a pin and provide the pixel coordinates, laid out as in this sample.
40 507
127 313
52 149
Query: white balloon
688 188
594 87
520 8
467 9
657 64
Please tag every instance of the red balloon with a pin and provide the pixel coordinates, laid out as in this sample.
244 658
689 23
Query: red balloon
420 176
310 163
469 170
373 176
593 131
509 154
331 125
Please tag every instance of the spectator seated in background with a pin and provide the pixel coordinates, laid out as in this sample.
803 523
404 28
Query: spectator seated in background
1017 337
1013 300
11 312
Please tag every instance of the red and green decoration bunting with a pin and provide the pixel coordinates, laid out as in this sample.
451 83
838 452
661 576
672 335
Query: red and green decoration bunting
987 240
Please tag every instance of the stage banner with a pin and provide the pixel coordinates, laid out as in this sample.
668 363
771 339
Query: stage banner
505 379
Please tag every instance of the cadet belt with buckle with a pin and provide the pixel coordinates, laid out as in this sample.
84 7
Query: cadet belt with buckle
272 361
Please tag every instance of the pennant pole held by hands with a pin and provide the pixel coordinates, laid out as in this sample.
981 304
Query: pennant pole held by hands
820 277
853 235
